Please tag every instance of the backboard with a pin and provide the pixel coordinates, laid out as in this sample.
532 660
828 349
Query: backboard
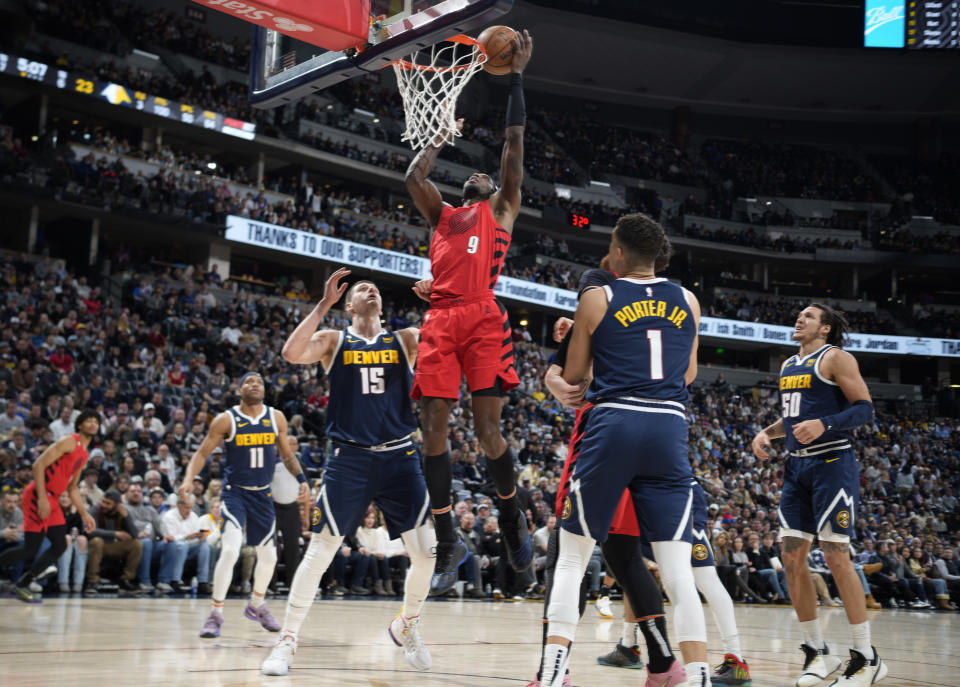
283 69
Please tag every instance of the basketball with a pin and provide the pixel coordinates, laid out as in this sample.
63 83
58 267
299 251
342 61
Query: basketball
498 42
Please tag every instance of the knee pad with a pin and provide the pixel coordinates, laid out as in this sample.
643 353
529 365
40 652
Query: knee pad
562 619
267 554
421 543
673 557
323 547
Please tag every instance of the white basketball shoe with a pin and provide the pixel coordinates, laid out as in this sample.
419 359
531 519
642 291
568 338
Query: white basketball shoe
280 658
818 665
405 633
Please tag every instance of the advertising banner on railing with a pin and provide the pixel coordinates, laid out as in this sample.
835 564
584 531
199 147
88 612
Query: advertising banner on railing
274 237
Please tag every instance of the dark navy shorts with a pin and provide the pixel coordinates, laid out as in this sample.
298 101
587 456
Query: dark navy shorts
250 508
356 476
644 451
820 492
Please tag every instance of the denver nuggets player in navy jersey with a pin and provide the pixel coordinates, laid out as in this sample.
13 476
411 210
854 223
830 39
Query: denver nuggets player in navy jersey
640 337
822 397
253 434
370 420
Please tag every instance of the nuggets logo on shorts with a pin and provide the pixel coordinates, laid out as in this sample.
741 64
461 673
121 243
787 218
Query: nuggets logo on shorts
567 508
700 552
843 519
315 516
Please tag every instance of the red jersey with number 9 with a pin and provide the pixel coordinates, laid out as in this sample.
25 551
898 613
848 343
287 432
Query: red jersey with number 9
467 252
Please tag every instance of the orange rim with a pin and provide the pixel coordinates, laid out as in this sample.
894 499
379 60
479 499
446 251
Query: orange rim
459 38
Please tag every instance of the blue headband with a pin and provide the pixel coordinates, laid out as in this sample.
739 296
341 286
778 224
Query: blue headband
250 374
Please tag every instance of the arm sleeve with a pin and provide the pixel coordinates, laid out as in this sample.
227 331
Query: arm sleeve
561 357
860 413
516 107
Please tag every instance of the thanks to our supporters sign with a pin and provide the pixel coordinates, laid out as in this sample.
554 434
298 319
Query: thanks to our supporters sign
275 237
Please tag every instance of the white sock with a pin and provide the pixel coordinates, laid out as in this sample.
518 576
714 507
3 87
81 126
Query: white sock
629 635
861 639
812 636
721 605
698 674
555 660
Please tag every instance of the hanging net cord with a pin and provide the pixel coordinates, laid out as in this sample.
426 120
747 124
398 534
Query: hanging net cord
430 81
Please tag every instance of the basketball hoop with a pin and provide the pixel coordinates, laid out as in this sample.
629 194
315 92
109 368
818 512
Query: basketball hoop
430 81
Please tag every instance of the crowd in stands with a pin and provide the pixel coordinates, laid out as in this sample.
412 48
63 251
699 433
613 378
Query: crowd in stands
562 147
794 171
926 189
118 27
906 241
754 238
602 149
939 322
783 310
159 363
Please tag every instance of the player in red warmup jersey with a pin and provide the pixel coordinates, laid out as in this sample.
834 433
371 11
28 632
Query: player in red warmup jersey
467 331
57 470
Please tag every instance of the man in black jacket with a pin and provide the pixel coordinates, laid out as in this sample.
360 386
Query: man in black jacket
115 536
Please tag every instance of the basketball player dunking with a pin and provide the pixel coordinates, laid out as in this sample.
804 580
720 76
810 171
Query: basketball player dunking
252 434
639 337
467 331
822 397
370 420
57 470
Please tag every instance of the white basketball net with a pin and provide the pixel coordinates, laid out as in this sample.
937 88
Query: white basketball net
430 81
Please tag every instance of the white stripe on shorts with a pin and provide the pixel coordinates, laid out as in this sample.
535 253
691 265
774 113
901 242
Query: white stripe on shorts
641 409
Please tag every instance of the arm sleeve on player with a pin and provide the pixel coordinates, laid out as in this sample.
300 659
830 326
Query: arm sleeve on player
516 107
860 413
561 357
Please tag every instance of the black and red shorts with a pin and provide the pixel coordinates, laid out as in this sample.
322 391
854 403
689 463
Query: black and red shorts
469 337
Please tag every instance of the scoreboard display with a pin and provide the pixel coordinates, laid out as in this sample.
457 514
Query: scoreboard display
912 24
116 94
933 24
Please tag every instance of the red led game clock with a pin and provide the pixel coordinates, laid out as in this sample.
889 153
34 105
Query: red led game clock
578 221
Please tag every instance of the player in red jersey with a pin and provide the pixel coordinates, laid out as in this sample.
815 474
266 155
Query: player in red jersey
57 470
467 331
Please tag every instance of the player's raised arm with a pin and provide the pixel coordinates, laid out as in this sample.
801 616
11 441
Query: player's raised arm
219 430
425 194
506 202
306 345
50 456
289 459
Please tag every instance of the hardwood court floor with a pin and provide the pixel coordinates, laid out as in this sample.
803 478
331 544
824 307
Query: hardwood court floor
116 642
